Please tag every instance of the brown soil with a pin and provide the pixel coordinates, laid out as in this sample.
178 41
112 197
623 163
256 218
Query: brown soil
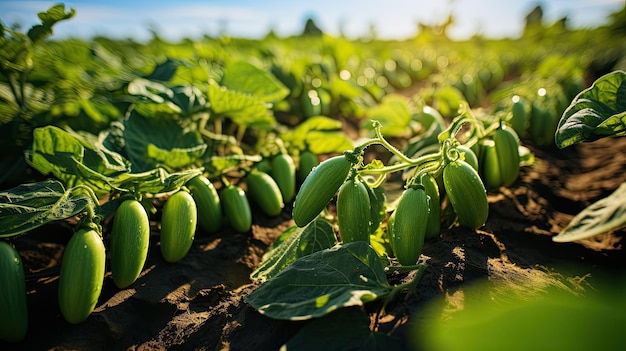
197 303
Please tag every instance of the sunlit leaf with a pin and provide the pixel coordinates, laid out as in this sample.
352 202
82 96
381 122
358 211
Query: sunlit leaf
328 142
555 320
77 159
319 134
220 164
164 71
31 205
393 113
243 109
155 142
292 244
312 286
604 215
596 112
245 77
48 20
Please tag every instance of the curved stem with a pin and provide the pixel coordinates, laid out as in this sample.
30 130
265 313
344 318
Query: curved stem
421 268
382 141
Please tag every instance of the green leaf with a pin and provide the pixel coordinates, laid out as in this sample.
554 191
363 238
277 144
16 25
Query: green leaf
155 97
328 142
48 18
218 165
245 77
29 206
555 320
164 71
312 286
320 134
344 329
155 142
596 112
73 159
190 99
243 109
604 215
292 244
394 115
82 159
155 181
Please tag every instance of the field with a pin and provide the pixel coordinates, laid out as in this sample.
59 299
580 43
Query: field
90 124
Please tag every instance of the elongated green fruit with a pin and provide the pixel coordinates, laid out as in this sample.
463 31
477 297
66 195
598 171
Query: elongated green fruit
208 203
264 191
236 208
468 156
507 150
519 120
284 173
390 222
467 193
433 226
541 130
409 226
318 188
13 304
82 275
178 226
489 165
130 237
353 211
308 161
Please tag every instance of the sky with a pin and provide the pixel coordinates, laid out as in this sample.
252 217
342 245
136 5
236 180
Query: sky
391 19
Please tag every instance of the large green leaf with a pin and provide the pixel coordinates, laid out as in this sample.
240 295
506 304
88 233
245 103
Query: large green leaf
82 159
247 78
596 112
604 215
157 98
344 329
164 71
394 115
73 159
312 286
48 19
555 320
319 134
155 142
244 109
29 206
292 244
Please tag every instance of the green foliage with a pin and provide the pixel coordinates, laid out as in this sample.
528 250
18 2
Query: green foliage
321 135
596 112
160 142
31 205
317 284
242 108
393 113
550 321
81 159
292 244
244 77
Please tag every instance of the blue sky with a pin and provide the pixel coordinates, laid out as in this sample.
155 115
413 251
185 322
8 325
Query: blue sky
248 18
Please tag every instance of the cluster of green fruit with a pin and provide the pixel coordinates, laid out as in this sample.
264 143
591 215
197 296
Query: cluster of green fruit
197 205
